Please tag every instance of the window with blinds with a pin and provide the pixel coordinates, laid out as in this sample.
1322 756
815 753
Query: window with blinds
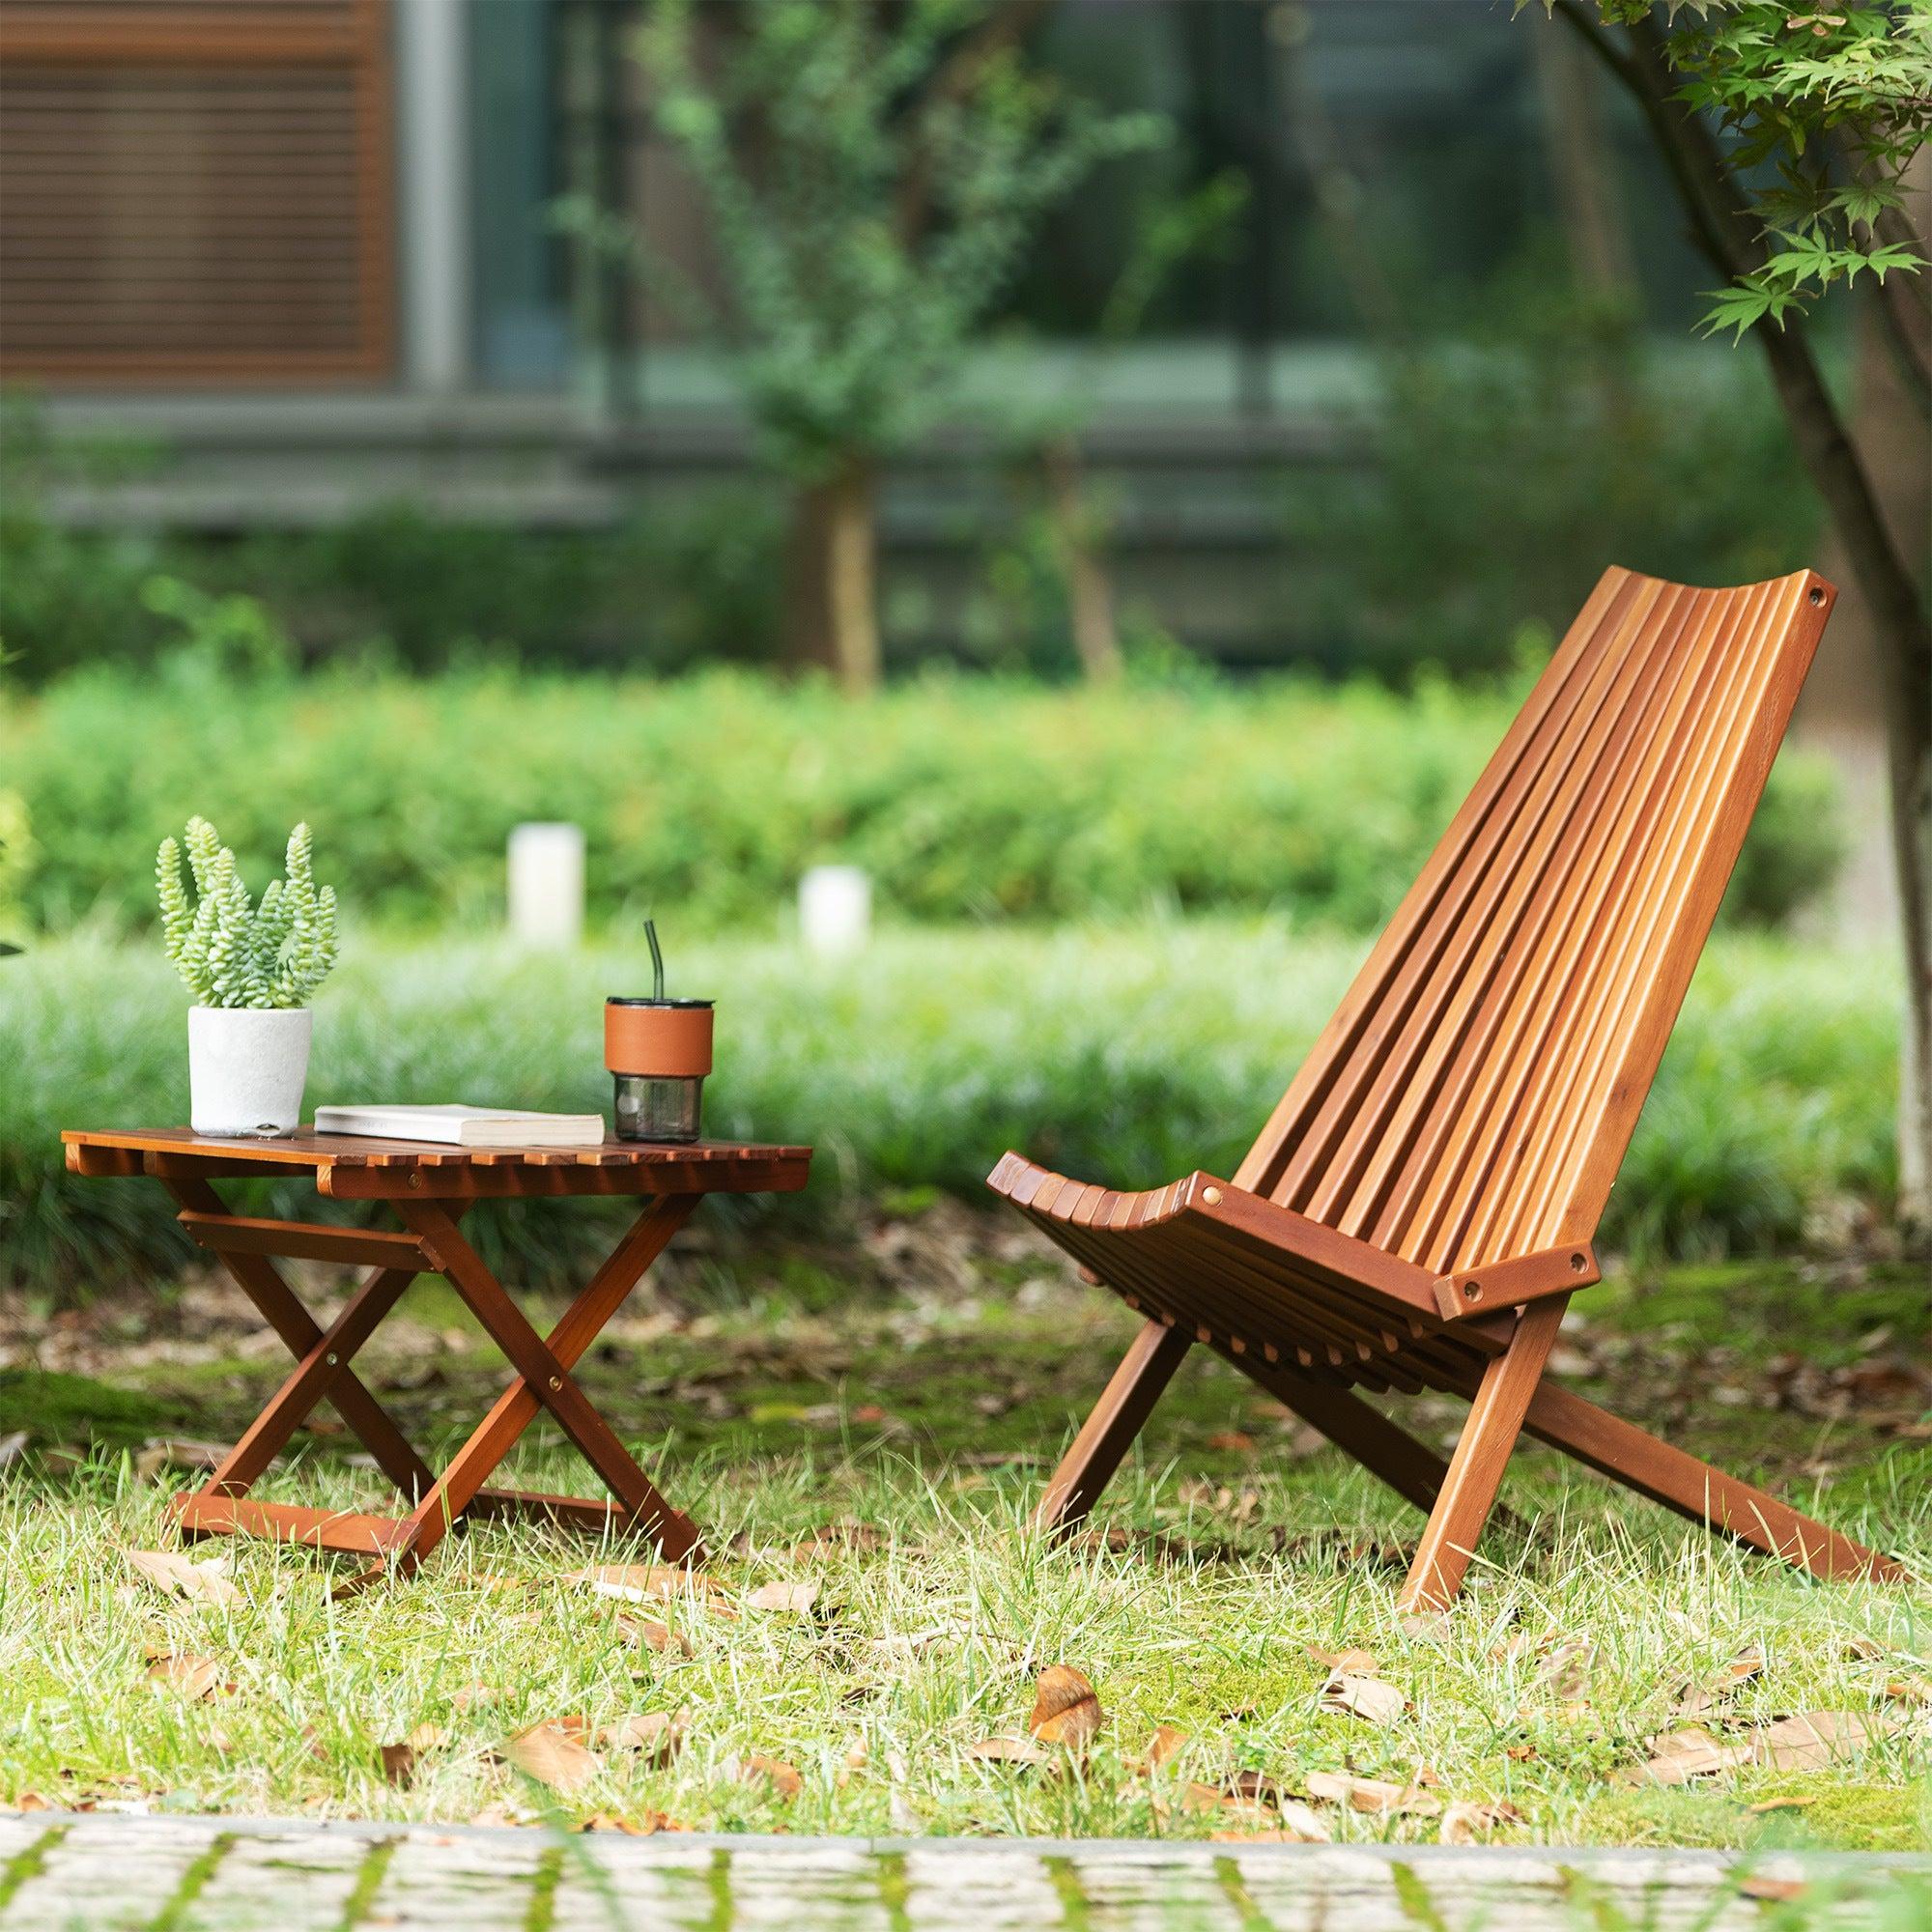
195 190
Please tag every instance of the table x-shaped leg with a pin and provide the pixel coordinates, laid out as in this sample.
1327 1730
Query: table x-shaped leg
322 1365
543 1365
322 1372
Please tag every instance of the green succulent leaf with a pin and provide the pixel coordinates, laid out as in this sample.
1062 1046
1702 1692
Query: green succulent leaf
231 951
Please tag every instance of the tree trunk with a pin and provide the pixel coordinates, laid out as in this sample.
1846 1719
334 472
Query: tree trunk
1583 172
1912 783
1713 201
1904 639
1089 596
830 590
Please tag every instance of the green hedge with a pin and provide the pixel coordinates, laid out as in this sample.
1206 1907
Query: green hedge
705 798
1133 1055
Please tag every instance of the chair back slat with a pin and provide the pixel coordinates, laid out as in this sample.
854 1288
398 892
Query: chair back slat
1472 1098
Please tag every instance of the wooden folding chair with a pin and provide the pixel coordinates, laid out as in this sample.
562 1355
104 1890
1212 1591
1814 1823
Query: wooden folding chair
1420 1208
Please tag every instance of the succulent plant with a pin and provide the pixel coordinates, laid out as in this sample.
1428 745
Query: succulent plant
230 951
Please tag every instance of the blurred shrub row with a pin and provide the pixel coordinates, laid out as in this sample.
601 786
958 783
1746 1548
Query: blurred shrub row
663 592
1494 457
1128 1056
705 798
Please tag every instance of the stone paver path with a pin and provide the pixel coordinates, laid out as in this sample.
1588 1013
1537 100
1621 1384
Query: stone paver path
97 1873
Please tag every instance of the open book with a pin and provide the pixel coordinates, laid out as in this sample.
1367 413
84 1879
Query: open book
463 1126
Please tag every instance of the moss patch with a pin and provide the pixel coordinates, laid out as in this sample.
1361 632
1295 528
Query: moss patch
63 1408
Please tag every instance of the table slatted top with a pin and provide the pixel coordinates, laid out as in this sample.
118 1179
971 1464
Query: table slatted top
354 1163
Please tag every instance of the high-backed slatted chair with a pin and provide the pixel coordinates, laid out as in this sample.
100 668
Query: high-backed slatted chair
1420 1208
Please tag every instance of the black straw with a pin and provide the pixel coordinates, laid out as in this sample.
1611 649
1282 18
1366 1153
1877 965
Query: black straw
656 960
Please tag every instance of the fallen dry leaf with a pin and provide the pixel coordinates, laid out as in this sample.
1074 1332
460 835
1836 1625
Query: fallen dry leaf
1678 1757
1007 1751
501 1814
196 1678
836 1536
645 1582
782 1777
1909 1689
175 1576
1354 1659
657 1736
608 1821
549 1753
1693 1699
399 1764
1781 1804
472 1695
1299 1826
1566 1671
1197 1492
1066 1708
794 1599
1254 1787
1162 1746
178 1451
489 1582
1373 1795
1370 1698
1772 1890
1231 1442
654 1635
1465 1824
1811 1741
1202 1798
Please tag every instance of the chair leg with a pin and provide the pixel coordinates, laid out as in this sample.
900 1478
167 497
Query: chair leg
1680 1482
1481 1454
1129 1397
1413 1471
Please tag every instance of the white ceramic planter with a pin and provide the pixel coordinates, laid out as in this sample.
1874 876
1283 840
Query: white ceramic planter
247 1066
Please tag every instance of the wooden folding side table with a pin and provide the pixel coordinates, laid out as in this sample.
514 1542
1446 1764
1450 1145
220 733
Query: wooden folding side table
430 1187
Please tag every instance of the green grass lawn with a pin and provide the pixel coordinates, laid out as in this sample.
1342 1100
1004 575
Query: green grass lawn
872 1423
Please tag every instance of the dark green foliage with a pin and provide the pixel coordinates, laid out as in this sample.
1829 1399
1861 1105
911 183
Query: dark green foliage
870 178
666 589
673 585
965 800
1829 111
65 598
1518 446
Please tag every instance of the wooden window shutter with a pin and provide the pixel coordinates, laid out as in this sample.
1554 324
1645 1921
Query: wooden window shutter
195 192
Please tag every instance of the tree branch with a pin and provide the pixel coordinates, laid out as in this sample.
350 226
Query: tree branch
956 77
1905 310
1709 230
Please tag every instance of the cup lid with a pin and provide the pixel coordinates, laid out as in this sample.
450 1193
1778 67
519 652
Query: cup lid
645 1000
